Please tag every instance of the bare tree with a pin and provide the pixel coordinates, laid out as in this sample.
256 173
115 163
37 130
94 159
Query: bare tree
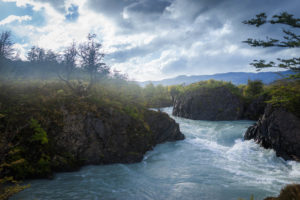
69 60
92 59
69 65
6 45
31 55
36 54
51 57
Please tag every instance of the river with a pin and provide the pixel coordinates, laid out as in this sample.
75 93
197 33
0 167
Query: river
212 163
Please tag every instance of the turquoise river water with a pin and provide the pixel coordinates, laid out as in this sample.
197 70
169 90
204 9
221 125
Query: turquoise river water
212 163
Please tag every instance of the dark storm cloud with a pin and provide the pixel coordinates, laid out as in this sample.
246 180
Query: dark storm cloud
148 7
116 7
131 15
111 8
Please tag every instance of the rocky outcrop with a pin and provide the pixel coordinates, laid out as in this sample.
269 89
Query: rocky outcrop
209 104
159 123
290 192
256 108
110 136
277 129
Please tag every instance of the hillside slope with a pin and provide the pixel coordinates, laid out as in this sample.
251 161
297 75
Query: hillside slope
236 78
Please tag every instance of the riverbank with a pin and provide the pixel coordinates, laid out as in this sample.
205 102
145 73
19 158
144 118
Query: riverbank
213 162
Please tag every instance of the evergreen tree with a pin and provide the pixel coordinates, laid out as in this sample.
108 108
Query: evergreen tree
291 39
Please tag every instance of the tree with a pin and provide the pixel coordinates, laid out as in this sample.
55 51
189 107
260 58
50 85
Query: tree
174 91
6 45
40 55
69 60
51 57
253 89
119 76
290 40
149 90
69 65
36 55
92 59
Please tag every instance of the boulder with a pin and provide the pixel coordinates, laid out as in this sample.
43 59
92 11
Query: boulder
163 127
277 129
110 136
209 104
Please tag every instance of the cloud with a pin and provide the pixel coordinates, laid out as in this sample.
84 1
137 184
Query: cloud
19 3
178 65
38 4
21 50
155 39
13 18
113 9
146 7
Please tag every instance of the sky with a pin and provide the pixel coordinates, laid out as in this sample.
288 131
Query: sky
151 39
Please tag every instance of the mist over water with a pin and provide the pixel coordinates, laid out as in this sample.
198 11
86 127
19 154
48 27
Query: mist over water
212 163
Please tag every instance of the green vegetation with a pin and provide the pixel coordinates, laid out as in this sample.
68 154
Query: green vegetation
31 110
9 187
247 92
36 93
178 90
253 89
289 192
211 84
284 93
28 155
251 198
156 96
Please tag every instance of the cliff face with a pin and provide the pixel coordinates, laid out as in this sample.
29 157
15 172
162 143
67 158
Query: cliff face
277 129
163 127
110 136
67 137
256 108
209 104
217 104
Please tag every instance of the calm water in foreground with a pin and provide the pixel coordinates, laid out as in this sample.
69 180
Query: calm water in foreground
213 162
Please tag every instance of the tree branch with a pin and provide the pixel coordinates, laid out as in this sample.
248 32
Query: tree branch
287 19
291 64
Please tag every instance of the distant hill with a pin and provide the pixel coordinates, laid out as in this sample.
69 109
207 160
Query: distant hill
236 78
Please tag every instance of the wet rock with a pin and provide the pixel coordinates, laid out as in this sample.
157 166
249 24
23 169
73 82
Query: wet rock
277 129
209 104
163 127
290 192
110 136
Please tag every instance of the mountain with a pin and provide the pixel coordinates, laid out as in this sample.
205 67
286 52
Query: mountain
236 78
